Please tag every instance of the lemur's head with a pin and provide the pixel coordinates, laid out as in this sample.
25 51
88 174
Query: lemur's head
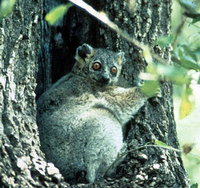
100 65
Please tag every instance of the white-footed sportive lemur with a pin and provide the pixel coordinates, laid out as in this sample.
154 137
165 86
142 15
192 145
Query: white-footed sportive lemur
82 116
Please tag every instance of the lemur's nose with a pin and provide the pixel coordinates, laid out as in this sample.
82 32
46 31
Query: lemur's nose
105 80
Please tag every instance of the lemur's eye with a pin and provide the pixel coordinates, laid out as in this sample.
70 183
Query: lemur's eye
96 66
113 70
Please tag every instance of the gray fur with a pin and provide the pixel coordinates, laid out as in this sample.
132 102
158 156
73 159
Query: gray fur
81 118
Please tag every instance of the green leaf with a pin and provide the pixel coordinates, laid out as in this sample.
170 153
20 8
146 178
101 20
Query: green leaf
186 57
150 88
187 102
177 75
160 143
194 16
198 82
147 55
164 41
196 19
195 185
197 52
163 145
57 13
190 10
6 7
188 5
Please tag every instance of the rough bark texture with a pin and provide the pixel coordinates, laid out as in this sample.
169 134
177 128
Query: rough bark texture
24 37
21 161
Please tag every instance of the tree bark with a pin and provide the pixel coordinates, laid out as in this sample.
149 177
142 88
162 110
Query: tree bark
22 163
27 44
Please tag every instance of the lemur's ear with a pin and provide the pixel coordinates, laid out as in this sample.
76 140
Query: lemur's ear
120 57
83 54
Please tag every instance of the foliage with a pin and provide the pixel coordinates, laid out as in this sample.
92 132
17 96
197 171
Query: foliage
185 57
190 10
6 7
195 185
187 103
150 87
57 13
164 41
186 53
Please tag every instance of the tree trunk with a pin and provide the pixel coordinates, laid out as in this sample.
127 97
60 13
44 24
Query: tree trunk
27 44
22 163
